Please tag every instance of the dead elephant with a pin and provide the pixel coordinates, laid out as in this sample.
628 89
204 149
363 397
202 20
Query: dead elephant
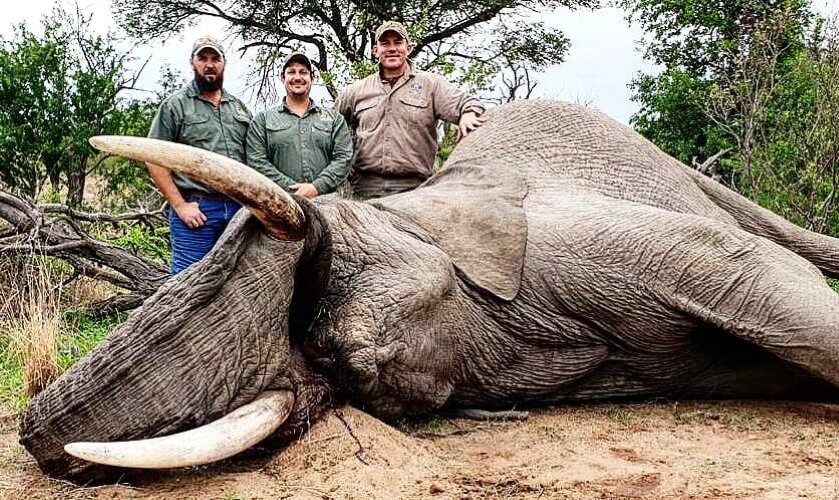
557 257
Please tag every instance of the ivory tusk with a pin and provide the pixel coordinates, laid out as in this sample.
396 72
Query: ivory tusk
271 204
223 438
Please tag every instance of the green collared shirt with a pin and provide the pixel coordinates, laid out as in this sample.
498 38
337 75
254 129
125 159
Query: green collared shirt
290 149
189 118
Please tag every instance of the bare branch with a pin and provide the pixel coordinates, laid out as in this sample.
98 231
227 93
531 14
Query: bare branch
55 208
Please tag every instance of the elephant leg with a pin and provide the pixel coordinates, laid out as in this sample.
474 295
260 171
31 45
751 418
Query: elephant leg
757 291
821 250
737 369
657 279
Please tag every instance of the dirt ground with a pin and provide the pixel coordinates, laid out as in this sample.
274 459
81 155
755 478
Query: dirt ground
654 450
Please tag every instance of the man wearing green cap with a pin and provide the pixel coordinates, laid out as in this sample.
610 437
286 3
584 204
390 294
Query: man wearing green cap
394 113
305 148
206 116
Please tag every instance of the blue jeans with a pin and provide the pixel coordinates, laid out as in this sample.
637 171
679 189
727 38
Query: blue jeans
191 245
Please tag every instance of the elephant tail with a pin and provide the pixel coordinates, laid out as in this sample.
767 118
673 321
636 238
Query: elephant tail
821 250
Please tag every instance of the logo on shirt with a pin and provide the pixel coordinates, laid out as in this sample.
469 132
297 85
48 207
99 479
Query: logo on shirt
239 109
324 116
415 89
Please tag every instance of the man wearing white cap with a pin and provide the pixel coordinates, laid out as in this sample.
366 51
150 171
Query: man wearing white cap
394 113
203 115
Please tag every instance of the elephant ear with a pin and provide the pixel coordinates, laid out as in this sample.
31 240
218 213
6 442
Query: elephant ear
475 215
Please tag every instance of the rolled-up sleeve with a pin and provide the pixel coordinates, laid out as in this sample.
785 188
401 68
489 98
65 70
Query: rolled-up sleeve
165 124
339 163
256 148
450 102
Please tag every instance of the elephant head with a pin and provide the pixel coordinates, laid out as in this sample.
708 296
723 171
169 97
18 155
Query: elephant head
211 340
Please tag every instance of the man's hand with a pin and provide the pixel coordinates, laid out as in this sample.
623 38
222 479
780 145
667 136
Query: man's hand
189 213
306 190
468 122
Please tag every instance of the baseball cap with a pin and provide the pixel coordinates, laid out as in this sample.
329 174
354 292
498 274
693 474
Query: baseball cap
394 26
299 58
207 42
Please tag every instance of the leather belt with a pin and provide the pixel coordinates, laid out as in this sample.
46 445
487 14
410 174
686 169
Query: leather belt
203 194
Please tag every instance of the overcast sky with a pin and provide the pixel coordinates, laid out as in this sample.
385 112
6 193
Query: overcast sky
602 59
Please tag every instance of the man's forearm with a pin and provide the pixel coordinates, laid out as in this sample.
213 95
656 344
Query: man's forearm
162 178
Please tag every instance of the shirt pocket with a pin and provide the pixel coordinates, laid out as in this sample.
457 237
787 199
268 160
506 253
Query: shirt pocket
366 113
417 111
280 136
197 131
240 125
322 135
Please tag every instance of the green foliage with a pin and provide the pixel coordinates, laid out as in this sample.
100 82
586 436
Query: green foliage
703 37
57 90
32 81
757 77
145 242
12 393
673 117
80 334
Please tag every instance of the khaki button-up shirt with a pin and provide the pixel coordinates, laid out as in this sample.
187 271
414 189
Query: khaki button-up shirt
189 118
396 127
289 149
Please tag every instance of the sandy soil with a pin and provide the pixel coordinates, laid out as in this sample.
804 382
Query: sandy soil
657 450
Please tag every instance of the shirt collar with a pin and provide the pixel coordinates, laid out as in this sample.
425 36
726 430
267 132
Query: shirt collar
313 106
411 71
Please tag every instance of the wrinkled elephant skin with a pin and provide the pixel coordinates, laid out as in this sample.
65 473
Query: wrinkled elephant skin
558 256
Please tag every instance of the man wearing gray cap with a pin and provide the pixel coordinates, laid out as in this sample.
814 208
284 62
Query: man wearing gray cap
394 113
305 148
203 115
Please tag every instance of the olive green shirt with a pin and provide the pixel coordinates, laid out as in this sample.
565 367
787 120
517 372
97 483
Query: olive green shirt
289 149
187 117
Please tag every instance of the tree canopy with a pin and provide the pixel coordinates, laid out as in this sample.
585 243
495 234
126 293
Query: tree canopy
58 89
753 78
473 40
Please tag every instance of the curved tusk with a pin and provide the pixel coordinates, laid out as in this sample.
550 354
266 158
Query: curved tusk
223 438
271 204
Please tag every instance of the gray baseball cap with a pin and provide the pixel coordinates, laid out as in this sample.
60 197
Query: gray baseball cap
394 26
207 42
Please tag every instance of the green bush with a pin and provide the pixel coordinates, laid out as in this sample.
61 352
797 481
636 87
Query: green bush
145 242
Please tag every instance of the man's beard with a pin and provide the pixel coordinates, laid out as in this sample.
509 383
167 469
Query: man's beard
208 86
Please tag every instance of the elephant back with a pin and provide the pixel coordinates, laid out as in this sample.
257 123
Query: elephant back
566 148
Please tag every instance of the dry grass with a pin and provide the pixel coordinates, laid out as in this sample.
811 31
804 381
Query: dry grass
83 291
30 324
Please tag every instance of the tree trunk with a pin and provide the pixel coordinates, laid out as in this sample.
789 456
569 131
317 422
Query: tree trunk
54 174
75 183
